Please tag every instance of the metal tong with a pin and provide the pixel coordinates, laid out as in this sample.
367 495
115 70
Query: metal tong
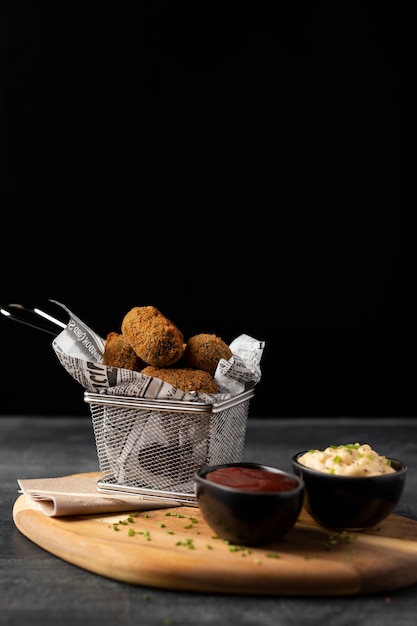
36 318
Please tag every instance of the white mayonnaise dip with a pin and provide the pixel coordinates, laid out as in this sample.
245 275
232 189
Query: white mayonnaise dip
352 459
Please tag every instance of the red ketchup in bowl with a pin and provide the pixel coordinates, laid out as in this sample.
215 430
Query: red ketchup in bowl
252 479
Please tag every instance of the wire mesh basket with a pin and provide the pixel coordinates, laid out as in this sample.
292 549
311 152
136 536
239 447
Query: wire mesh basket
154 447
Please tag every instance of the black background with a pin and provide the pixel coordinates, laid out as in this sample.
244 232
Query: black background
235 165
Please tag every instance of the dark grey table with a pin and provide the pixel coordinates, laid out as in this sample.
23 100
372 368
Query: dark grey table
39 588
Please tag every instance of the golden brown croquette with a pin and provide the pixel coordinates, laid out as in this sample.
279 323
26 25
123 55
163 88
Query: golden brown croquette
119 353
204 351
184 378
154 338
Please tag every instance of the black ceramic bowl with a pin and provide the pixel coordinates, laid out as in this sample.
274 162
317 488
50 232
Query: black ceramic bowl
350 502
252 504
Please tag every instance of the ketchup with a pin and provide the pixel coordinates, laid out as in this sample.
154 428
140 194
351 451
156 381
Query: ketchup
252 479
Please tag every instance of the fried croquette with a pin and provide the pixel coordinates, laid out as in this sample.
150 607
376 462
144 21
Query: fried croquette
154 338
119 353
184 378
204 351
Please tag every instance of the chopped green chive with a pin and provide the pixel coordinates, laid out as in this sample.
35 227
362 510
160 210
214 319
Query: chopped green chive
272 555
187 543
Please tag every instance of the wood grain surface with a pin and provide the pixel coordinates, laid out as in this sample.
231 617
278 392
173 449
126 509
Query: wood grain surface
175 549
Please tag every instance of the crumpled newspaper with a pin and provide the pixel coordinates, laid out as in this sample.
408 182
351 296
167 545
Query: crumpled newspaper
80 351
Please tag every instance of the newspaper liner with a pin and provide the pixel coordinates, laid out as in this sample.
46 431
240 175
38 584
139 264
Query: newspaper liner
80 351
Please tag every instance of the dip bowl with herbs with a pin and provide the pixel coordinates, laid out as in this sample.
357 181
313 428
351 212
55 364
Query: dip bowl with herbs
248 503
349 486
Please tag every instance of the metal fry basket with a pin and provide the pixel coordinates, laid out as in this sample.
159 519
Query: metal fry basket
153 448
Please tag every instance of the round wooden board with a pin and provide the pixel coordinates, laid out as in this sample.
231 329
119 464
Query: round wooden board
175 549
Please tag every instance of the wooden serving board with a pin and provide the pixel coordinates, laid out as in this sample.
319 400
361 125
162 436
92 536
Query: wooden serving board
175 549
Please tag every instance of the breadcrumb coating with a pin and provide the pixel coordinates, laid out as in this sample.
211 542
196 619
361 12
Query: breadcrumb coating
204 351
153 337
184 378
119 353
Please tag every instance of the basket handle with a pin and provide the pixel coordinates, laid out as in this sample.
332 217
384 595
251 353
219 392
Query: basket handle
35 318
